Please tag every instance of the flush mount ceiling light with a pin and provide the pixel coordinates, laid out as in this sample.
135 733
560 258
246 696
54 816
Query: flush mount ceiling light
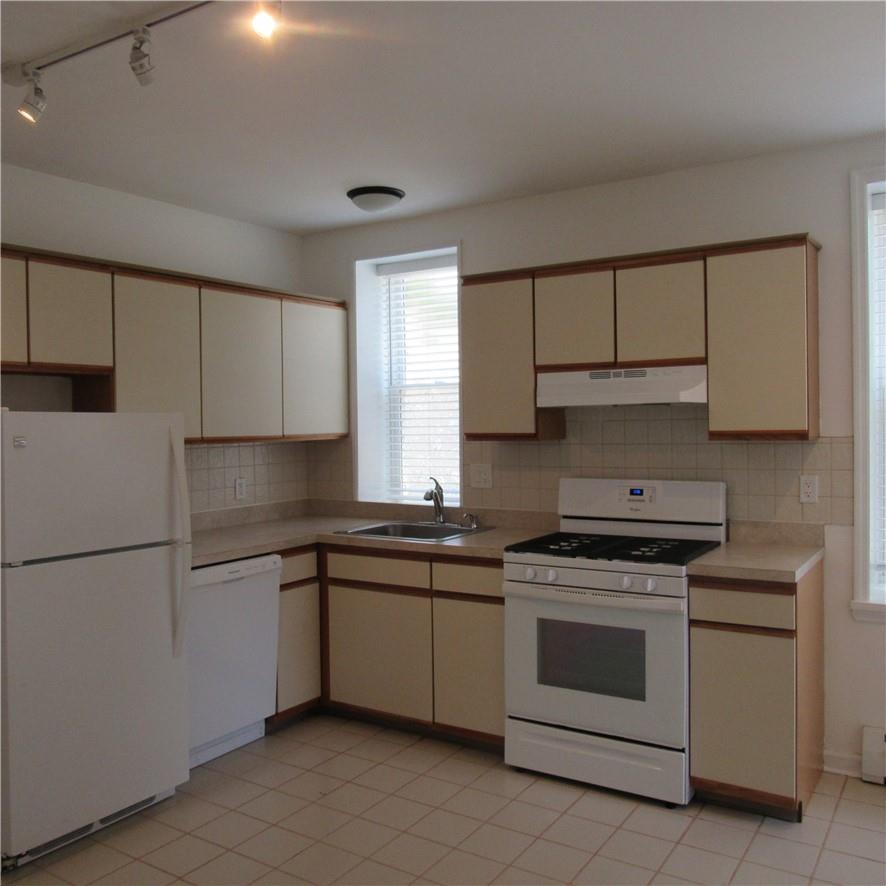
34 105
140 56
375 198
267 19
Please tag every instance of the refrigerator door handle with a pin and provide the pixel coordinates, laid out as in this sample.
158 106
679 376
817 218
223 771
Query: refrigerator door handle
181 478
183 545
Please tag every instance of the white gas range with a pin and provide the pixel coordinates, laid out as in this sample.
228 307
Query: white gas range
596 634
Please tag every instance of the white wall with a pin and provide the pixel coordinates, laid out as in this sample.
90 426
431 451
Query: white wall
47 212
760 197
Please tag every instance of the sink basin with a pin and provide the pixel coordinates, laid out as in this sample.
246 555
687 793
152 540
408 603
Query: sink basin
411 531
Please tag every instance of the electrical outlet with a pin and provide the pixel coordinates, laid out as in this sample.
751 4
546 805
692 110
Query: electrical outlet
240 488
481 476
808 488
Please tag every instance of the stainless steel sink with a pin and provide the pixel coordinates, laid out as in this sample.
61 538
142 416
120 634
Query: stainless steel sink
411 531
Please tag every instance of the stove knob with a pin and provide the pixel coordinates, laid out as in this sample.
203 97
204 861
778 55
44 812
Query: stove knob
649 585
530 573
552 575
626 581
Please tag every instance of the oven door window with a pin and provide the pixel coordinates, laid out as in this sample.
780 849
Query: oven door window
592 658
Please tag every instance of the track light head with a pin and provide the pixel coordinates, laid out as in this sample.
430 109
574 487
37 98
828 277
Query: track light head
140 56
34 104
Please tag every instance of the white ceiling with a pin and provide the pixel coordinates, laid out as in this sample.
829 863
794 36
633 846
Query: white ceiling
457 103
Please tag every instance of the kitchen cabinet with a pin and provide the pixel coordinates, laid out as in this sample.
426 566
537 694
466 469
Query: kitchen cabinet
574 320
498 363
315 369
660 311
14 311
469 648
157 339
762 321
70 316
298 645
241 358
756 703
380 635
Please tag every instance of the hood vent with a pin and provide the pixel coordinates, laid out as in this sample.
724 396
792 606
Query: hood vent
616 387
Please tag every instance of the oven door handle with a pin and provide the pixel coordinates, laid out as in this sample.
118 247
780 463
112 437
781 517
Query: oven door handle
607 599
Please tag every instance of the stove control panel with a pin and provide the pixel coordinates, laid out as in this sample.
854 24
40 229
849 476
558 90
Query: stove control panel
636 494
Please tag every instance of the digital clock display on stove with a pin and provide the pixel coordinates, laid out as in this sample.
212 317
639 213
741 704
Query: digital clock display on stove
637 492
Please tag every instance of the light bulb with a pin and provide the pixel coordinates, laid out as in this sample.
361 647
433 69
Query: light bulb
264 24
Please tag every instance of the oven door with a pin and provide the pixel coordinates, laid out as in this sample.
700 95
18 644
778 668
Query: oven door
603 662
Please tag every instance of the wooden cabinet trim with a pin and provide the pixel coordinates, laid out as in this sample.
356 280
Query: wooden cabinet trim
59 368
157 278
375 552
742 629
469 598
256 439
813 404
285 718
743 584
301 549
469 735
374 716
496 277
379 588
758 800
301 583
572 367
302 437
490 562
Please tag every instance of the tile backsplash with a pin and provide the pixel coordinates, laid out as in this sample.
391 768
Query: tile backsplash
643 442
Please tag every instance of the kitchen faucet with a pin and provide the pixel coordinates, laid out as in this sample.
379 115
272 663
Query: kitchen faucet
436 496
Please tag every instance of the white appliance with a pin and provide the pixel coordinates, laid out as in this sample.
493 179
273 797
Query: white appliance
614 387
96 558
231 646
596 634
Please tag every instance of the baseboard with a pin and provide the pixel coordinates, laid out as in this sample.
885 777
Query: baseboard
842 764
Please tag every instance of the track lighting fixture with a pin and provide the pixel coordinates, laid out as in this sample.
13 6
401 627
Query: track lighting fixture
375 198
34 105
267 19
140 56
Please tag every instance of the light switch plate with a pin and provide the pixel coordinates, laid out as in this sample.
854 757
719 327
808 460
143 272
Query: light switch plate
481 476
240 488
808 488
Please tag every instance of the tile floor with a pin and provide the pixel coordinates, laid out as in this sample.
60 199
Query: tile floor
336 801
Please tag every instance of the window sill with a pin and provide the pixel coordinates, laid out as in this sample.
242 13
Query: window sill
865 610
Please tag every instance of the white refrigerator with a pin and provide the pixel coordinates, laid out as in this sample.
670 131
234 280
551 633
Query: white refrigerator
96 564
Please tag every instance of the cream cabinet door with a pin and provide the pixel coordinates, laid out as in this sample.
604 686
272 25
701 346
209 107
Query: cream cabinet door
315 369
380 651
70 312
757 342
469 665
661 312
497 361
743 709
298 646
14 311
157 334
242 365
575 319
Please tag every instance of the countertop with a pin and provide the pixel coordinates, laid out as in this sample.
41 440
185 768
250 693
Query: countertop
740 560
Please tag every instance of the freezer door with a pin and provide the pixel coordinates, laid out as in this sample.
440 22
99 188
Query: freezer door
94 702
81 482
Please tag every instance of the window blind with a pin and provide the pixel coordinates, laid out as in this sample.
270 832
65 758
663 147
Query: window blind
877 392
420 380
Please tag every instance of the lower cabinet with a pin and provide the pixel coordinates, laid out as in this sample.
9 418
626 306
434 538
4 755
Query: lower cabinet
756 696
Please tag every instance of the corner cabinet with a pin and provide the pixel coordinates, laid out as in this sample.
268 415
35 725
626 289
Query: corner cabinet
315 369
241 358
498 363
14 312
762 322
157 339
756 699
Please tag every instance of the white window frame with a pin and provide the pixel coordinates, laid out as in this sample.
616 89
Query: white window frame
863 608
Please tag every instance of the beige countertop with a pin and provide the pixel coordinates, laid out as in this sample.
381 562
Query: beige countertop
253 539
757 562
741 560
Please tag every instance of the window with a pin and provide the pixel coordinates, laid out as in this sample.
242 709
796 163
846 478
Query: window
869 309
408 394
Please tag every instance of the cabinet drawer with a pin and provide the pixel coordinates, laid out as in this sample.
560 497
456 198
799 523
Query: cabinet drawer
758 609
461 578
297 567
380 570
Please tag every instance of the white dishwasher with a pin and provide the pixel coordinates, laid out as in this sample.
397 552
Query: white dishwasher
231 645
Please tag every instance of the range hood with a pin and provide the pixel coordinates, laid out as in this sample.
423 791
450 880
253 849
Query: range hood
618 387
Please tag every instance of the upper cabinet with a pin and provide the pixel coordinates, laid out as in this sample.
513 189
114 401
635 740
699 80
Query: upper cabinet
574 320
315 369
14 311
157 335
660 312
241 359
762 317
70 316
498 363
